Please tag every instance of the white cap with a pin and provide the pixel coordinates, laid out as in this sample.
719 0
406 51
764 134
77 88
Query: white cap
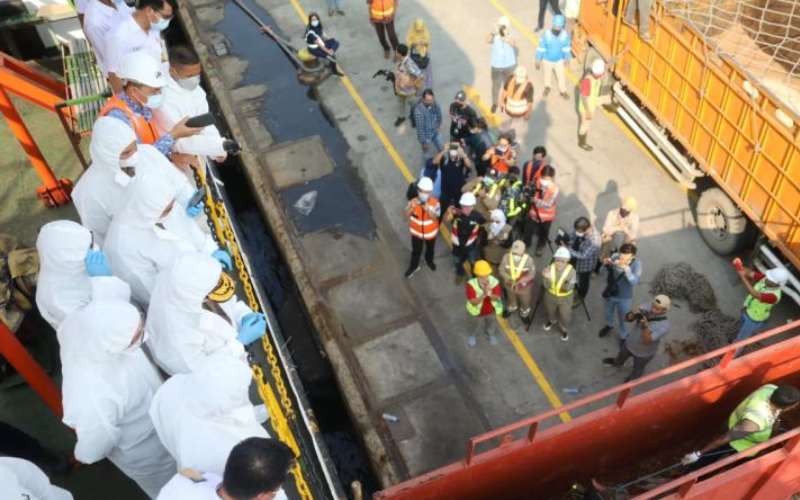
521 73
779 275
562 253
503 21
467 200
142 68
598 67
425 184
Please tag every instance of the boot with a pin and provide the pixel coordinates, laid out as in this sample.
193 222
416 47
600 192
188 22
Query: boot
335 68
583 144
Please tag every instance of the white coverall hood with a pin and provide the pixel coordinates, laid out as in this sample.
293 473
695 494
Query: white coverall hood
21 479
148 197
107 389
63 284
109 137
182 333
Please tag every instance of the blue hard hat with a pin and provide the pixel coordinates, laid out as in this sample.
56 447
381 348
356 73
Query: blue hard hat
559 21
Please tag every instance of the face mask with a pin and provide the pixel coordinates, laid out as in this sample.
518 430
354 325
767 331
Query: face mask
190 83
130 161
315 22
502 149
544 183
155 101
161 24
556 32
423 197
122 178
580 234
453 155
495 227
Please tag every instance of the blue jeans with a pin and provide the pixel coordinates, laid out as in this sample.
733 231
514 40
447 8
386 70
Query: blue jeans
622 307
748 328
438 145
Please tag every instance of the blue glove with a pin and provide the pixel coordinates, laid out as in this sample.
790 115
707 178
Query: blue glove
224 258
252 328
196 209
96 264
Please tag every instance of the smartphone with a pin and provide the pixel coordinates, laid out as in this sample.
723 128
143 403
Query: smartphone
196 198
200 121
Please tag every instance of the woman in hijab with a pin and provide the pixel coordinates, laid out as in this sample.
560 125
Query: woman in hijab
418 40
148 232
317 44
498 234
194 313
201 427
107 389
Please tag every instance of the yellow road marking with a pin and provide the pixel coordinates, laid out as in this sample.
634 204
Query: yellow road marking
491 118
520 348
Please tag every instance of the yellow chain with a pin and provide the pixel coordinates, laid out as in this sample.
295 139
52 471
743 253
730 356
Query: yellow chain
280 413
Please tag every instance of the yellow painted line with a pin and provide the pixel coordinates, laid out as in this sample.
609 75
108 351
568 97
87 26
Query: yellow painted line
491 118
520 348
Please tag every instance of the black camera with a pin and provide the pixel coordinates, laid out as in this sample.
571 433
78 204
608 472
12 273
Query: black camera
562 238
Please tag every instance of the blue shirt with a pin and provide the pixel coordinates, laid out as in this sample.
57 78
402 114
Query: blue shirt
630 279
164 143
428 119
554 48
432 171
503 55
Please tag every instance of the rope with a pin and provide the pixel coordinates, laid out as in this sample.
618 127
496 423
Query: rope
281 411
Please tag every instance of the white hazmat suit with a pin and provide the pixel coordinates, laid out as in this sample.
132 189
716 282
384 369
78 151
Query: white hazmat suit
137 248
181 332
22 480
107 390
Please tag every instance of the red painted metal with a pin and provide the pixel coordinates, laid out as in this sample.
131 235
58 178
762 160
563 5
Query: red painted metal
661 423
30 370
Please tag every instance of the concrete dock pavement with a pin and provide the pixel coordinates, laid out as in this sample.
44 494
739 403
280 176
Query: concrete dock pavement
399 346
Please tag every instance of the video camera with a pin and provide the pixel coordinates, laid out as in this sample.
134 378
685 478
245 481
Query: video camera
562 237
643 315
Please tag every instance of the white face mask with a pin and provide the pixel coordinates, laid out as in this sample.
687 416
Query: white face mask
495 227
315 22
155 101
122 178
130 161
423 197
580 234
544 183
161 24
190 83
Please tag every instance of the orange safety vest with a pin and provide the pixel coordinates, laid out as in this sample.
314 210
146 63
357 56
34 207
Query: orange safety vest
516 104
145 131
472 235
421 224
501 162
381 11
544 214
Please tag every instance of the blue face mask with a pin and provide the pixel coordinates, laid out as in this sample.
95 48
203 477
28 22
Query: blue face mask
161 24
155 101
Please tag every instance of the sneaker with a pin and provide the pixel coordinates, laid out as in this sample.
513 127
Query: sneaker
524 313
564 336
547 326
604 331
493 339
431 265
609 361
410 272
472 341
399 121
512 309
546 92
565 96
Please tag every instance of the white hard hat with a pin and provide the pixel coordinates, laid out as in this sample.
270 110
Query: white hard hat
503 21
562 253
467 200
779 275
142 68
598 67
425 184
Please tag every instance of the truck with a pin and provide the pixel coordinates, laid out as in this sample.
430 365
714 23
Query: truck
714 95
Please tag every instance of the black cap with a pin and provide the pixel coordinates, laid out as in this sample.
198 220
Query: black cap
461 96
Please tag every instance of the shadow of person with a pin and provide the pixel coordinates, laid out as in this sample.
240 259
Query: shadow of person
606 201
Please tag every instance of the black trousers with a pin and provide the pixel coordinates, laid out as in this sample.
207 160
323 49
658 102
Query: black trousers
584 280
382 29
540 229
16 443
416 251
543 9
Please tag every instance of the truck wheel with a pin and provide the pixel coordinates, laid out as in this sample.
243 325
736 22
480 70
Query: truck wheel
721 224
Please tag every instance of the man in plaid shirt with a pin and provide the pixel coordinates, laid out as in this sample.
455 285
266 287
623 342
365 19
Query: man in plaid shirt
428 120
584 246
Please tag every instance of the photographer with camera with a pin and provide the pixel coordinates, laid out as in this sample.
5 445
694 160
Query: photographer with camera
624 273
503 57
454 169
583 243
542 210
652 325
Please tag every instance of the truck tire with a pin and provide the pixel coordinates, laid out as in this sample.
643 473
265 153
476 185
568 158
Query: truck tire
722 225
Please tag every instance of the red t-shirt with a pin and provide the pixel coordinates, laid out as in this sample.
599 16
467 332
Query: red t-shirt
765 297
487 307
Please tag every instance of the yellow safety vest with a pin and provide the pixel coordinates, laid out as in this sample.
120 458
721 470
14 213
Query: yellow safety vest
555 285
757 310
516 272
594 94
475 309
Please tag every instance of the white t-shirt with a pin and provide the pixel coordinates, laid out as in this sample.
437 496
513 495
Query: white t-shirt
98 22
181 487
129 37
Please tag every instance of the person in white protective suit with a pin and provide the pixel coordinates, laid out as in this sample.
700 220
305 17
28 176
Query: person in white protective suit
108 385
71 271
116 158
184 97
222 413
194 313
255 470
22 480
149 231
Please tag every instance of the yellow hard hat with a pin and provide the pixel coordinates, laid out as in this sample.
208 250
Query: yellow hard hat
482 268
630 204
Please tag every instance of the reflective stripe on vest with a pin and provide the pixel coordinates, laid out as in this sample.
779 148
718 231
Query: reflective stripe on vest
475 309
757 310
516 104
381 10
594 94
145 131
755 408
544 213
515 271
421 224
555 285
472 236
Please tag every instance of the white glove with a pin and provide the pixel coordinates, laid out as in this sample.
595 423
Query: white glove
691 458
